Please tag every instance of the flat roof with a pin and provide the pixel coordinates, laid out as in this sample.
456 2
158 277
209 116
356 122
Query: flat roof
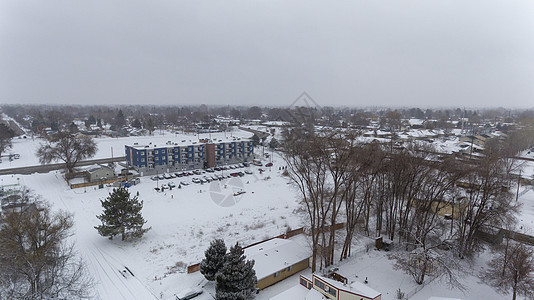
355 287
275 255
188 142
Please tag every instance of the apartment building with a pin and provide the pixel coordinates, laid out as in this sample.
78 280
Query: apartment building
180 156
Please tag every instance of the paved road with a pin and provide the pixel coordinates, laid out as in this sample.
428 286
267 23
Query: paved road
51 167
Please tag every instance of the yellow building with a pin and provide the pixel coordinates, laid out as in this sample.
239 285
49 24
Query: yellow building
277 259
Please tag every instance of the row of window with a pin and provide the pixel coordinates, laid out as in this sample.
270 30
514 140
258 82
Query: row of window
286 269
325 288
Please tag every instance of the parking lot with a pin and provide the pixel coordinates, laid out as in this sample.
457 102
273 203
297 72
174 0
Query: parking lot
180 179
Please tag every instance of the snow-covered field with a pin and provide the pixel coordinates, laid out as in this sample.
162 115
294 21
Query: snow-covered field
27 148
185 220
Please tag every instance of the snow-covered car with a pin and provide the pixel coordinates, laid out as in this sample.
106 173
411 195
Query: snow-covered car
167 176
203 180
161 177
195 180
184 183
188 293
248 172
172 185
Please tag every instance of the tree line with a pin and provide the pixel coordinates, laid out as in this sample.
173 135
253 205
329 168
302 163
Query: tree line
398 193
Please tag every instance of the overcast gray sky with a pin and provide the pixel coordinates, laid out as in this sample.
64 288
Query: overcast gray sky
351 53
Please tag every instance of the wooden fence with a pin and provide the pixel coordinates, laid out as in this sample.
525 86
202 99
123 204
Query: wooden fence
79 185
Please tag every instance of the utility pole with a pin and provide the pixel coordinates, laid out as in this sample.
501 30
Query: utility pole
518 184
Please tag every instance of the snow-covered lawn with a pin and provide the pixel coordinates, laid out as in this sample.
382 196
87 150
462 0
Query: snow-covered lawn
26 148
183 222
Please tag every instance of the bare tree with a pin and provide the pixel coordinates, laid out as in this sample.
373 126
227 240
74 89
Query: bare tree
513 269
308 169
35 260
6 134
68 148
488 203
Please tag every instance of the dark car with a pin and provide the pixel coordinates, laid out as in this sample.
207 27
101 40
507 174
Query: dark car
269 165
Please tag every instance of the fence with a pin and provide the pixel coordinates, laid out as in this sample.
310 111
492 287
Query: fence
79 185
418 288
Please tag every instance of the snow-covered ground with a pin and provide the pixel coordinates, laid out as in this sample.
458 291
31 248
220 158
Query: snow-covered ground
185 220
27 147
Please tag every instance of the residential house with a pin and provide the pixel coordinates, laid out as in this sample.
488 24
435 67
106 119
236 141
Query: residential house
99 172
319 288
277 259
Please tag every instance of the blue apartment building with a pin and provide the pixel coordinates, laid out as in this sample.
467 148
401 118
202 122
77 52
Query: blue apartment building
172 157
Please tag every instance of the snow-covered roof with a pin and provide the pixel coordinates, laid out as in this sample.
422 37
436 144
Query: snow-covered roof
355 287
170 144
442 298
275 255
299 292
416 121
275 123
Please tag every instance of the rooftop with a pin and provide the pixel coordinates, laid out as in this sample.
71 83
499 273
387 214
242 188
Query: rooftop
355 287
275 255
188 142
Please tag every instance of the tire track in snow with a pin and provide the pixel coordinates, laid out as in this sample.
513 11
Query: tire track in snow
122 280
116 278
104 254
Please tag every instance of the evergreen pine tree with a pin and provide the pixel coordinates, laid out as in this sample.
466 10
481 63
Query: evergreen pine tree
236 279
214 260
122 215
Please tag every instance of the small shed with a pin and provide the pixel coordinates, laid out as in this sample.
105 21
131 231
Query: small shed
95 174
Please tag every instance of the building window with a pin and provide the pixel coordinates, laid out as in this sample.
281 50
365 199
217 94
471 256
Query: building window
142 160
156 151
289 268
331 291
319 284
276 274
157 158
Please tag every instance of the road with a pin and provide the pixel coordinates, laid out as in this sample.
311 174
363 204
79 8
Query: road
51 167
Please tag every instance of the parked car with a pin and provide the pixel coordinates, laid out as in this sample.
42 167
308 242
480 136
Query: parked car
203 180
184 183
248 171
261 170
241 174
217 169
269 165
178 174
171 184
210 170
197 172
234 174
188 293
195 180
161 177
167 176
246 164
154 178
